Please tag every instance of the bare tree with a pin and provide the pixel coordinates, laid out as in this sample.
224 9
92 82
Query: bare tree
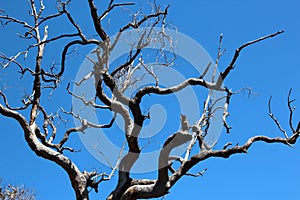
40 122
11 192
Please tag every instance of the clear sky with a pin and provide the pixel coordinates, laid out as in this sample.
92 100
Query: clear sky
269 68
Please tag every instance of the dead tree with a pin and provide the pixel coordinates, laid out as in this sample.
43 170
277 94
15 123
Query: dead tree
9 191
48 140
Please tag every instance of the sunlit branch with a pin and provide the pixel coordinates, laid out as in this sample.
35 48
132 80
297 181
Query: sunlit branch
26 103
275 120
84 101
136 24
84 125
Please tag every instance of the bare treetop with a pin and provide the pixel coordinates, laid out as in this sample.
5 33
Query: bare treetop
119 83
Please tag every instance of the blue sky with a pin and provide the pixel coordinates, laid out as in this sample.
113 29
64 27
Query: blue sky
270 68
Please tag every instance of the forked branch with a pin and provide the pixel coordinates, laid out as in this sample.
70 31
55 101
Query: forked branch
225 73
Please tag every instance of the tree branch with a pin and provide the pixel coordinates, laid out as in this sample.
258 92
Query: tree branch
112 6
78 180
97 21
191 81
224 74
